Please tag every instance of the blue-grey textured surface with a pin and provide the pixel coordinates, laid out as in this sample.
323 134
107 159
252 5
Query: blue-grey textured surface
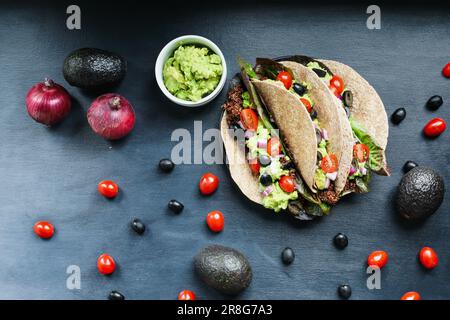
53 173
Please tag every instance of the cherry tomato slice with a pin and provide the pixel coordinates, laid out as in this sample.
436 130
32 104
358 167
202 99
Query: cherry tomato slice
249 119
338 83
378 258
106 264
361 152
215 221
428 258
286 78
446 70
435 127
44 229
208 183
307 104
186 295
255 166
412 295
335 91
287 184
330 163
273 146
108 188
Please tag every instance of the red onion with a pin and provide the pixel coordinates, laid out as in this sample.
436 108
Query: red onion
267 191
262 143
111 116
332 176
352 170
48 102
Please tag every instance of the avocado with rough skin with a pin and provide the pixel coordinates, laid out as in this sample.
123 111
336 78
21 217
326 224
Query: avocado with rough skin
420 193
223 268
91 68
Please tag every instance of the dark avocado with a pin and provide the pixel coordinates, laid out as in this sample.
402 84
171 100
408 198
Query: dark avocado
420 193
225 269
91 68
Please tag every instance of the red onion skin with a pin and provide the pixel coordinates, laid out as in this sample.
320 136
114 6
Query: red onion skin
111 116
48 102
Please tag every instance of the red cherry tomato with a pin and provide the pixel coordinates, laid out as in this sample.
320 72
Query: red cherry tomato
428 258
215 221
208 183
338 83
273 146
108 188
361 152
434 127
307 104
44 229
287 184
412 295
446 70
329 163
335 91
286 78
186 295
249 119
378 258
255 166
106 264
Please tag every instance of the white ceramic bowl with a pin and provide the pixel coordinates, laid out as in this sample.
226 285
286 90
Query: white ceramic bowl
168 51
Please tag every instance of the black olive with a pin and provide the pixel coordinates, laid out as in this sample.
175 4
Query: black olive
434 102
264 160
344 291
398 115
321 73
166 165
287 256
347 97
313 114
319 156
266 179
341 241
299 89
318 136
409 165
115 295
288 165
138 226
175 206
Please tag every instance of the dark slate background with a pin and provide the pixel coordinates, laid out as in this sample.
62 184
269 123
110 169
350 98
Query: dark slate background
53 173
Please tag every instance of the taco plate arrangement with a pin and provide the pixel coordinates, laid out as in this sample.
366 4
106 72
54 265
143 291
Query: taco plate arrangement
301 133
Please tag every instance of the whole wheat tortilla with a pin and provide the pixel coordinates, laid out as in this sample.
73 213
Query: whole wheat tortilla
332 118
295 125
238 165
368 109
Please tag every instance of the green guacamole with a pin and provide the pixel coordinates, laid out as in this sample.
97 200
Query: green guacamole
192 72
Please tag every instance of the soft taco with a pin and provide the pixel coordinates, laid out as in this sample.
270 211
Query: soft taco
363 106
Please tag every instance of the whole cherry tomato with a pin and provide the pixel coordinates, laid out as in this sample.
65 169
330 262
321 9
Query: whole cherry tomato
329 163
249 119
215 221
108 188
361 152
287 184
44 229
338 83
255 166
106 264
434 127
208 183
307 104
186 295
428 258
273 146
446 70
378 258
412 295
286 78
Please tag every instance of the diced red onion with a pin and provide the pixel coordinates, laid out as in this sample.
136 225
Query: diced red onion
267 191
262 143
327 183
332 176
363 171
352 170
325 134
